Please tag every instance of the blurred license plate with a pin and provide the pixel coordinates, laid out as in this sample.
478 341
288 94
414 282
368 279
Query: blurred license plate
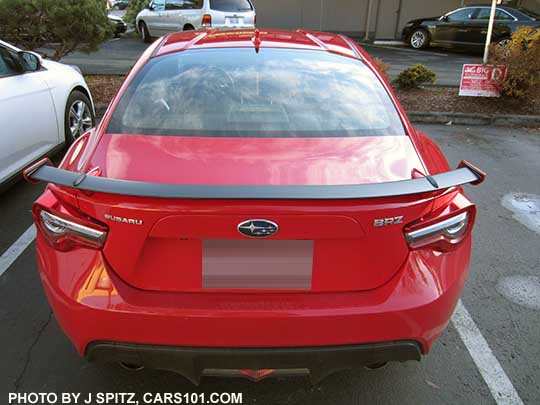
233 20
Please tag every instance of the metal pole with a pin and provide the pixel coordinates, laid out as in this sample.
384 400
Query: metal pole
490 30
368 19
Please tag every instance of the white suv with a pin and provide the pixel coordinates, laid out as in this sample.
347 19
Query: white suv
163 16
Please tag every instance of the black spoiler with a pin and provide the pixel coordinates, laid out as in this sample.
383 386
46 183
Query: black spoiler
466 173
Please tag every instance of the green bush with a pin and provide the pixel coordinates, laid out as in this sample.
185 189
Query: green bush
522 59
133 8
414 76
61 25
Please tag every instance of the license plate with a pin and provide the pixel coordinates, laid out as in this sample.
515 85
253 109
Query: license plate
233 20
257 264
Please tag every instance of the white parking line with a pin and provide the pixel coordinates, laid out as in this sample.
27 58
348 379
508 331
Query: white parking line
10 255
496 379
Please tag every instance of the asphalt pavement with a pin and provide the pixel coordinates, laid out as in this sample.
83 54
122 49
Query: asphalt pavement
118 55
502 346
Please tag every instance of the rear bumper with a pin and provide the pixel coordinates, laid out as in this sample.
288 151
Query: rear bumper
92 304
194 362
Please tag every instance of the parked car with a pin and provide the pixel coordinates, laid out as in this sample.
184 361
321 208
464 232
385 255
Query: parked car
118 24
161 17
43 105
467 26
118 4
254 204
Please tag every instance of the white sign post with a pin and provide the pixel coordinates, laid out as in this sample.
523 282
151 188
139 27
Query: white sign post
490 30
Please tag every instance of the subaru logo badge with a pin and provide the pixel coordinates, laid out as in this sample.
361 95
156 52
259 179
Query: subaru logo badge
258 228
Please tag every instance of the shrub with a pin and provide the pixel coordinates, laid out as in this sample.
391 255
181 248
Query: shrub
133 8
60 25
414 76
383 67
522 59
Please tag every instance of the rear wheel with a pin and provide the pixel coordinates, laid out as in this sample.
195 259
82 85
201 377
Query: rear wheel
189 27
143 30
419 39
79 116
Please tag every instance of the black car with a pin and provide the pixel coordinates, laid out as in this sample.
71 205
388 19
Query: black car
467 26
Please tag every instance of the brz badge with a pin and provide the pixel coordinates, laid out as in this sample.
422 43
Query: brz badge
130 221
387 221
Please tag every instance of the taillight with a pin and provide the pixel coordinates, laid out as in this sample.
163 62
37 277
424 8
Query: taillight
255 19
65 228
443 233
207 21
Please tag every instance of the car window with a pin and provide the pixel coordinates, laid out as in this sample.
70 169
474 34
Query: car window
230 5
240 93
193 4
8 66
461 15
501 15
158 5
174 4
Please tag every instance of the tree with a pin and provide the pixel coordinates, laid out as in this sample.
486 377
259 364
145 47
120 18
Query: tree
133 8
60 25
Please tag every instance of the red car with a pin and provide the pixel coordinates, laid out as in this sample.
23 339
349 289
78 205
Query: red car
254 203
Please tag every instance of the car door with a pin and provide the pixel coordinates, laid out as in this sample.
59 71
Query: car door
454 27
27 115
155 19
173 15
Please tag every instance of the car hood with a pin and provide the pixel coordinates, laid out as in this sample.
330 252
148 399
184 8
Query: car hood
421 20
255 161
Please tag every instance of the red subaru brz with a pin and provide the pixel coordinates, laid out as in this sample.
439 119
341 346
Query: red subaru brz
254 203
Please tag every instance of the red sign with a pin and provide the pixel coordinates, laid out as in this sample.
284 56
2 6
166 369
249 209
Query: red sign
482 80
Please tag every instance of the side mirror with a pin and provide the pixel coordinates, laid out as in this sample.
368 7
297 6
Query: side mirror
30 61
149 6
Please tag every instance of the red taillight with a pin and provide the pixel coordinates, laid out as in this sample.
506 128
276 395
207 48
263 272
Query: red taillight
443 233
207 21
64 227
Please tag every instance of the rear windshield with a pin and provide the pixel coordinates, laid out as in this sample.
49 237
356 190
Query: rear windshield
237 92
230 5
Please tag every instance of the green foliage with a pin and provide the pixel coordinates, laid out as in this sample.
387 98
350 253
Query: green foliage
522 59
414 76
133 8
60 25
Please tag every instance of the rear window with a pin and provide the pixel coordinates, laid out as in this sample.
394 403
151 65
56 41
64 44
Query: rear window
240 93
230 5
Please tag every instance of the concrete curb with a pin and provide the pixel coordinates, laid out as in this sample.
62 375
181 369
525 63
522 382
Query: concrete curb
445 118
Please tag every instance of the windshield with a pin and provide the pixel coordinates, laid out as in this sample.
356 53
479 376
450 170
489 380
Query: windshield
230 5
240 93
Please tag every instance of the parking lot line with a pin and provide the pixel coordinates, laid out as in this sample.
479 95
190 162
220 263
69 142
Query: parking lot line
11 254
491 370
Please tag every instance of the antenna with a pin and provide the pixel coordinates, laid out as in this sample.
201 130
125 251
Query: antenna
257 40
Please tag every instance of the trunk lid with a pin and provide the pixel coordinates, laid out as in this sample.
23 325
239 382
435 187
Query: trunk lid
195 245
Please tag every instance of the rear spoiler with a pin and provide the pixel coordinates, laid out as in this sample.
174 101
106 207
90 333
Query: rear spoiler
43 170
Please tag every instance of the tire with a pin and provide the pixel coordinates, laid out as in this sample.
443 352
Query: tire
145 34
78 116
419 39
189 27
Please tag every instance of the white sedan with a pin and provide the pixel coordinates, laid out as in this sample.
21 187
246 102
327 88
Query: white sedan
44 105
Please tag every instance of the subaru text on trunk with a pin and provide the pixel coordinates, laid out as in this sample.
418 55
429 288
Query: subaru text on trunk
254 203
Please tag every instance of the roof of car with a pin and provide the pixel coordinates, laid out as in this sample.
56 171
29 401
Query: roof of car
256 38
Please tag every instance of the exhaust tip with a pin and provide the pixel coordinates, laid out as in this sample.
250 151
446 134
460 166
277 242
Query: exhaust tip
131 366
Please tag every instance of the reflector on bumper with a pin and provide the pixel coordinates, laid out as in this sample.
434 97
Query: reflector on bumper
466 173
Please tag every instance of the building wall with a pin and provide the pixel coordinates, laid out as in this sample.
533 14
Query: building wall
350 16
